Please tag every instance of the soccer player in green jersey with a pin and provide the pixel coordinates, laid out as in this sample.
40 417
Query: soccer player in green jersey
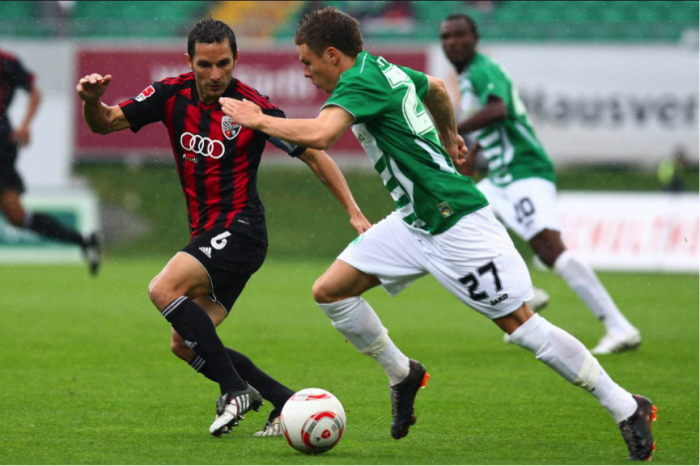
521 181
443 225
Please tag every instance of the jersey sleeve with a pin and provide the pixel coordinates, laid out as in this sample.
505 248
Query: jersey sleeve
489 81
18 74
420 80
291 149
359 99
147 107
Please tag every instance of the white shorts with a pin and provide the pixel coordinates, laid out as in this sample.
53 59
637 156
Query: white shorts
475 260
526 206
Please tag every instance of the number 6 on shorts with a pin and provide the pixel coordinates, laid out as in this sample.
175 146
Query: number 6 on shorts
219 242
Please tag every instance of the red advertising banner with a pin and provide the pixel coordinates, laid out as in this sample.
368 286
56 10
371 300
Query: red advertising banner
272 71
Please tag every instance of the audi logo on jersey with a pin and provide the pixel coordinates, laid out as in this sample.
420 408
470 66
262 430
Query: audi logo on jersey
203 146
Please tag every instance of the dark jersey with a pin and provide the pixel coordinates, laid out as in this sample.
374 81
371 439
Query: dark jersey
12 76
217 159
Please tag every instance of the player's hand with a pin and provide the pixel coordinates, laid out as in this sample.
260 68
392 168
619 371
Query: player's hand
468 168
360 223
93 86
457 150
243 112
20 136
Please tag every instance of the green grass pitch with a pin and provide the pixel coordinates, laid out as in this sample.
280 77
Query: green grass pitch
87 376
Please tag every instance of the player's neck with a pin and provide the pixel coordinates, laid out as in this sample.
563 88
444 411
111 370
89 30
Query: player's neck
204 98
463 65
346 63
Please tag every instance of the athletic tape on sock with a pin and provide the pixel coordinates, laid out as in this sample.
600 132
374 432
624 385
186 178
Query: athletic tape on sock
587 377
379 345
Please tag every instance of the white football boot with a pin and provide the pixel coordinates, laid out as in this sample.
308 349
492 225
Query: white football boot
273 428
231 407
618 342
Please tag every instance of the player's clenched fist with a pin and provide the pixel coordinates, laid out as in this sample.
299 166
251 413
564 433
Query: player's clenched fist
243 112
91 87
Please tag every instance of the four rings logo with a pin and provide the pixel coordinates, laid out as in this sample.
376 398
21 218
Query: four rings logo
202 146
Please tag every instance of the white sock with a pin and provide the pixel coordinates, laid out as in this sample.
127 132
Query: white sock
583 280
618 401
569 358
360 325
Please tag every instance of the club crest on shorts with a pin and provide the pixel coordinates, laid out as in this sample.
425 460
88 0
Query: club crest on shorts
229 127
445 209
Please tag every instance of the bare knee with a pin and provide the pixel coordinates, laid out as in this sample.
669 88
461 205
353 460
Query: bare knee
548 257
11 207
16 220
15 216
160 293
514 320
342 281
323 293
548 246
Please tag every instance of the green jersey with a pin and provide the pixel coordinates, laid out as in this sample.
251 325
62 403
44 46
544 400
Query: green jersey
510 146
402 143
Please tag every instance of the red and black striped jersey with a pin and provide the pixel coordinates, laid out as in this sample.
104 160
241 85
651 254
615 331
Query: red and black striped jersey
217 159
12 75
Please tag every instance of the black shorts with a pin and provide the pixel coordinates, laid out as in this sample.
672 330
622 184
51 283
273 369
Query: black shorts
9 178
230 256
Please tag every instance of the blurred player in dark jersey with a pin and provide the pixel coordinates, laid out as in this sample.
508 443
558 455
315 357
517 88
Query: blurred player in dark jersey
217 162
14 76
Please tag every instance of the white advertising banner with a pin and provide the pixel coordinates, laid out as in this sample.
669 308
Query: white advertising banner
632 232
633 104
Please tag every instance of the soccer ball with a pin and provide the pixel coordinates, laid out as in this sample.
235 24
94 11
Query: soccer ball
313 421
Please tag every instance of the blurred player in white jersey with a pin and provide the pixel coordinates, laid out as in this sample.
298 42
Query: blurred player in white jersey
521 180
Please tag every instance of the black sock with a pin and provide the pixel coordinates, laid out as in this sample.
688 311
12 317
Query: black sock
50 228
269 388
194 325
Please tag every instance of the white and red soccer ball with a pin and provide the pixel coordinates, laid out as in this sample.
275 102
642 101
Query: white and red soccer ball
313 421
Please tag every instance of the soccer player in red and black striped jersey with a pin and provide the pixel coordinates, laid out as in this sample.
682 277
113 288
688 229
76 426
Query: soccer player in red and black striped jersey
217 162
13 76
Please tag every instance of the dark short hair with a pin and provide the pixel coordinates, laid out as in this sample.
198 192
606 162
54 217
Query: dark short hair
208 31
330 27
470 21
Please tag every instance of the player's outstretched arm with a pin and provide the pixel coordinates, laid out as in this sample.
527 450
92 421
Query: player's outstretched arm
22 134
494 111
328 172
439 104
101 118
318 133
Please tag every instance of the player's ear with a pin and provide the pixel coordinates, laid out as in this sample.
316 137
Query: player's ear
235 58
333 55
189 60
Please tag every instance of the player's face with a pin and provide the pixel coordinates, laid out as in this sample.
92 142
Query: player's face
213 66
319 68
458 41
